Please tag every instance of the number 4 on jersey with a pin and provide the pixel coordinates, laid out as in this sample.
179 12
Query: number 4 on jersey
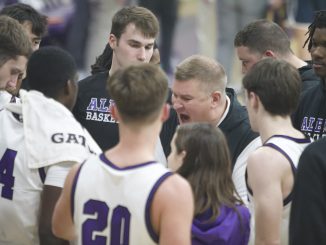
6 173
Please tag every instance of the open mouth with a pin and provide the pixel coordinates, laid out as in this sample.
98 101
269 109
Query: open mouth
183 118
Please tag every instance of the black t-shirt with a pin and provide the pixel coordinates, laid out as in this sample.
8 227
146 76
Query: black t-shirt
92 110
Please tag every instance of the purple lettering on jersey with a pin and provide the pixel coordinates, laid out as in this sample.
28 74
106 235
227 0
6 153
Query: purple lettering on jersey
6 173
319 124
92 105
307 125
120 226
102 107
101 210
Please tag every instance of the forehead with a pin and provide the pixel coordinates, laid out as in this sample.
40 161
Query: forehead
245 51
28 26
132 33
320 34
191 86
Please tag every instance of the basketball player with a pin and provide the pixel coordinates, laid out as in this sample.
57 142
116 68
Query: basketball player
124 196
39 141
272 89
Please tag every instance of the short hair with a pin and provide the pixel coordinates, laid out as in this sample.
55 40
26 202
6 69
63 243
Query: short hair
23 12
139 92
144 20
262 35
318 22
277 84
49 69
206 166
14 41
205 70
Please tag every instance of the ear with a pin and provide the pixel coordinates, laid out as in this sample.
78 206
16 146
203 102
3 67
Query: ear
115 112
254 100
269 53
70 87
215 98
165 112
183 154
113 41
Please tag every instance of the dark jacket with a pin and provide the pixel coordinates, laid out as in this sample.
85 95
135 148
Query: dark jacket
308 211
308 77
92 110
236 127
310 116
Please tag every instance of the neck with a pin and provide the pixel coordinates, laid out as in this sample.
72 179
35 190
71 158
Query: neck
295 61
220 110
136 145
277 125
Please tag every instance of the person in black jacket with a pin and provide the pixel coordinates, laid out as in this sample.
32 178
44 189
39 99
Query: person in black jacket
308 211
264 38
199 94
132 39
310 117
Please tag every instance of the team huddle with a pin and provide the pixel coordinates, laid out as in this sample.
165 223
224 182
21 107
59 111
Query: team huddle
122 158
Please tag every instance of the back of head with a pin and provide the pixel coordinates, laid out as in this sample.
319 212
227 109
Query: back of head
143 19
206 70
206 165
23 12
262 35
13 40
49 69
139 92
318 22
277 84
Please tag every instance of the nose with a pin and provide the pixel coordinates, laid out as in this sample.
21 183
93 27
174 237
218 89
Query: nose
142 54
316 52
177 105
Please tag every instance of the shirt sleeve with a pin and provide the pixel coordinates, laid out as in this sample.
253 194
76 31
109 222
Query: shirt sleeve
56 174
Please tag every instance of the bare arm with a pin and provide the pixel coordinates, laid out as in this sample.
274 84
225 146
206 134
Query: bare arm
264 176
62 223
172 211
50 196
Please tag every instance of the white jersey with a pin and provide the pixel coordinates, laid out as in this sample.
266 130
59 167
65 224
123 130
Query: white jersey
292 149
20 185
112 204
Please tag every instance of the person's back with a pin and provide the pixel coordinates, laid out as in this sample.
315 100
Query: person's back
200 154
307 220
138 200
39 142
271 168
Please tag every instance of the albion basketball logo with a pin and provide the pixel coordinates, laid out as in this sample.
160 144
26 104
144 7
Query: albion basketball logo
100 110
313 127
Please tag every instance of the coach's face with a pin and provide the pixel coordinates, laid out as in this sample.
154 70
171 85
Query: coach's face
318 52
191 102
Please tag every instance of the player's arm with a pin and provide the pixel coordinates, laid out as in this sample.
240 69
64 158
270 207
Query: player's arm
172 211
55 177
62 223
264 178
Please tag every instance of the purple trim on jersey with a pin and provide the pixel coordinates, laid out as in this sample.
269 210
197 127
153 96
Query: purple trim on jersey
108 162
73 190
42 174
149 226
275 147
297 140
